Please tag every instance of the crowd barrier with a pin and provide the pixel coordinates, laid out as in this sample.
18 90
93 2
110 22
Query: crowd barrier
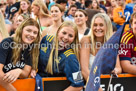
124 82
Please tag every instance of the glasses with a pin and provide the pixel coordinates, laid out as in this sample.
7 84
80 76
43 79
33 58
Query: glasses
3 4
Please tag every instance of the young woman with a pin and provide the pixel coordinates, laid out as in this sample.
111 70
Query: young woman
80 19
61 59
41 12
101 31
25 7
95 5
56 12
21 18
18 20
3 29
19 54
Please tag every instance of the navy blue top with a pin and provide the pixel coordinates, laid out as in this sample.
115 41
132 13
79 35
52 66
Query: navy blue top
6 47
68 63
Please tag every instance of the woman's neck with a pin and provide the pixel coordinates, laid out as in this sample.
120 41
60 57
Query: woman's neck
57 23
25 11
100 39
82 28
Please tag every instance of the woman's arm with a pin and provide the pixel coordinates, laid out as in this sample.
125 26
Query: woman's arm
117 69
6 85
128 67
85 57
12 75
70 88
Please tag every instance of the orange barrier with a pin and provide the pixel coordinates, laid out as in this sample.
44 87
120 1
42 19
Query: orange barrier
29 84
23 85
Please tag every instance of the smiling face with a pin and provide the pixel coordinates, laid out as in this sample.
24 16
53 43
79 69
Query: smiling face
80 18
56 13
29 34
24 5
99 27
66 36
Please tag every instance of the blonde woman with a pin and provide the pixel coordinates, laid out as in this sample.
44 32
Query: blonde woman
40 10
3 29
18 56
62 58
56 12
101 31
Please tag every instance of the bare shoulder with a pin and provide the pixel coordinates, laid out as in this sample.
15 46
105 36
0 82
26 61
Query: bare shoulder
85 39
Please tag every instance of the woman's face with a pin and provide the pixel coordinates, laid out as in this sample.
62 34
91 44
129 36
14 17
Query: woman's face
66 36
99 27
94 4
113 3
20 19
24 5
29 34
56 13
134 8
80 18
133 25
35 9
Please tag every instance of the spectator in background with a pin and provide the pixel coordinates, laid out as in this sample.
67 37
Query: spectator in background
102 6
42 14
12 8
56 12
90 12
80 19
71 2
134 8
3 5
118 13
3 29
95 5
19 19
63 3
110 10
25 7
129 8
70 13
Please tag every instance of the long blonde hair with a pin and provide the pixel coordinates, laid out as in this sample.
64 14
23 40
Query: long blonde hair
108 33
43 8
55 47
3 29
18 40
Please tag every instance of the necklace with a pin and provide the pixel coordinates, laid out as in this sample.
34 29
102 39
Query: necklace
22 55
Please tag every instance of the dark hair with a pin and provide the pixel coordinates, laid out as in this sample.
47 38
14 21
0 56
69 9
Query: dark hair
83 11
71 6
61 1
87 3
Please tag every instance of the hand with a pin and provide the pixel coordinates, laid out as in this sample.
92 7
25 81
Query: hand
115 71
12 75
33 73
